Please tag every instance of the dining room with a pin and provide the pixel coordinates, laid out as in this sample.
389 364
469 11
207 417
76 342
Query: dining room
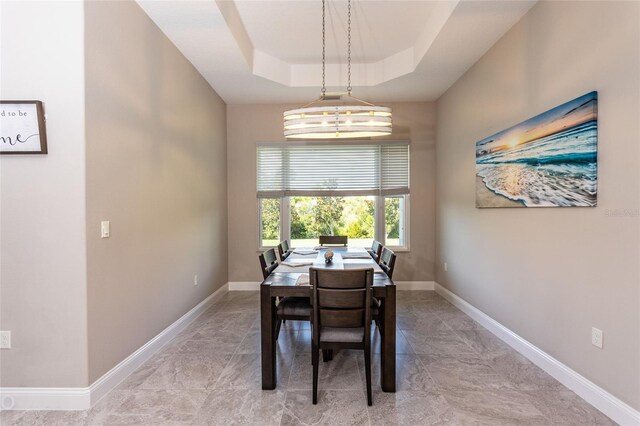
344 212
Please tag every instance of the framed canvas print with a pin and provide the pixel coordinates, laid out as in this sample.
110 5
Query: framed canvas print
549 160
22 128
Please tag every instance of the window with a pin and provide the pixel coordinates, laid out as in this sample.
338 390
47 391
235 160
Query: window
394 221
311 217
358 189
269 222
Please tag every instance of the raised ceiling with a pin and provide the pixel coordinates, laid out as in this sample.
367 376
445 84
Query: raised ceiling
270 51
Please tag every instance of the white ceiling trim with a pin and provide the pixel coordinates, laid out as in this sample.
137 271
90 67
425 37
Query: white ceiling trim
212 35
363 73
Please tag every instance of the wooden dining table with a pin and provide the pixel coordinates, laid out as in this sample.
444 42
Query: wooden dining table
286 281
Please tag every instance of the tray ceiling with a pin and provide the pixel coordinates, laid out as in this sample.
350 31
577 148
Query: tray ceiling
270 51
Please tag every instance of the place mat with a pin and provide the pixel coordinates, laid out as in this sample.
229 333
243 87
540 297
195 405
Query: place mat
304 252
296 264
375 266
363 255
299 268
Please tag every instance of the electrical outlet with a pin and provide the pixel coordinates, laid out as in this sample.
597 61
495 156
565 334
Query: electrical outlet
5 340
195 280
596 337
446 267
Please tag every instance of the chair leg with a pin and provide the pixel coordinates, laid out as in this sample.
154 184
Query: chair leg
367 367
327 355
315 355
278 324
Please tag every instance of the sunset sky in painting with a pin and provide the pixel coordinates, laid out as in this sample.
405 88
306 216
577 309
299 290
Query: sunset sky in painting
578 111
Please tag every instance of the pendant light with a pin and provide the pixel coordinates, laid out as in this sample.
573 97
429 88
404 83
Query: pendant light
320 120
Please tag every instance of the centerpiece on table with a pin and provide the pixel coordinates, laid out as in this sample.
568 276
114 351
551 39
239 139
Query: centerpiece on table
328 256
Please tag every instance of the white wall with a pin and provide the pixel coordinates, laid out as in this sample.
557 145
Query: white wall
156 168
249 124
551 274
42 244
136 136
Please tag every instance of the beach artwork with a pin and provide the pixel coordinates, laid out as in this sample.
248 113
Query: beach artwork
547 161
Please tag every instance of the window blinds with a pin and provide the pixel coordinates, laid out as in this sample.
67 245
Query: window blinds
326 169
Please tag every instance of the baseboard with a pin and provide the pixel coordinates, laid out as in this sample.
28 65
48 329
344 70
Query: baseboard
84 398
608 404
45 398
415 285
401 285
244 285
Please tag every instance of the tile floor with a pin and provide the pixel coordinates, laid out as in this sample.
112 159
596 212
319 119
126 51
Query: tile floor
449 371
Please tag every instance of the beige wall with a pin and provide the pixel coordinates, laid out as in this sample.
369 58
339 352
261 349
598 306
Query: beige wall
42 243
551 274
249 124
156 168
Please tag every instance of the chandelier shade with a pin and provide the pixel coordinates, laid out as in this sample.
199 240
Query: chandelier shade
361 120
337 122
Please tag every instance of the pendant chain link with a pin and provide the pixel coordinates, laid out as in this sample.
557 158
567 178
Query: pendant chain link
324 89
349 46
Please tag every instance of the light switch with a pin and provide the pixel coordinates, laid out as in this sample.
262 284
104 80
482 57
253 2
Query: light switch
104 229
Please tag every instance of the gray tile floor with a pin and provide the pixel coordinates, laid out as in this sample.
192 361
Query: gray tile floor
449 371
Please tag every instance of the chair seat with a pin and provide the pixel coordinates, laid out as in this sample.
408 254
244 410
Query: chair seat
334 334
294 306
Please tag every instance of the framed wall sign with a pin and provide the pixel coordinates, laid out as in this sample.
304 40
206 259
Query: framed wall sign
22 128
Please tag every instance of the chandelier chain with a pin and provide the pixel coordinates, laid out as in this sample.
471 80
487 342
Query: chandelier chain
324 89
348 46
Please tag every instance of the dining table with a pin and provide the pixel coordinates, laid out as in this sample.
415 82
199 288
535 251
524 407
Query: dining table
291 279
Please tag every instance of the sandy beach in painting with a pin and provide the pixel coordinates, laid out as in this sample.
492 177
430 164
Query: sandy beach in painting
487 198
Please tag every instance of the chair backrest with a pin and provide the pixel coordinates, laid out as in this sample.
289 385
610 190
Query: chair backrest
387 261
341 298
333 240
283 249
376 250
268 262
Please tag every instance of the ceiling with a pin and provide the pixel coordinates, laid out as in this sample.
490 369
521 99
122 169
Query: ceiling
269 51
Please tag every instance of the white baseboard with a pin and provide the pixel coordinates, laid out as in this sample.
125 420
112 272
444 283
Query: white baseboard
84 398
244 285
401 285
415 285
608 404
45 398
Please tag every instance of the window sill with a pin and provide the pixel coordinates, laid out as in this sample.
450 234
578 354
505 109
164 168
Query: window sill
399 249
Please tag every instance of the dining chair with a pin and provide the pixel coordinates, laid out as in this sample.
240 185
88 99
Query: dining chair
268 262
387 261
334 240
288 308
341 316
283 250
375 250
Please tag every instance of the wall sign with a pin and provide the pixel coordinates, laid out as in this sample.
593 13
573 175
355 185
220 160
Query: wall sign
22 128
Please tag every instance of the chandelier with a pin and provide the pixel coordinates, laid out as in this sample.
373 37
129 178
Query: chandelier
321 120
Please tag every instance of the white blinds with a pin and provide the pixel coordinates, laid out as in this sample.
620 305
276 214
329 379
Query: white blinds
320 169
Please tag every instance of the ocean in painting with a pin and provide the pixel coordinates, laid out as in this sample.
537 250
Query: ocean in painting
548 160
